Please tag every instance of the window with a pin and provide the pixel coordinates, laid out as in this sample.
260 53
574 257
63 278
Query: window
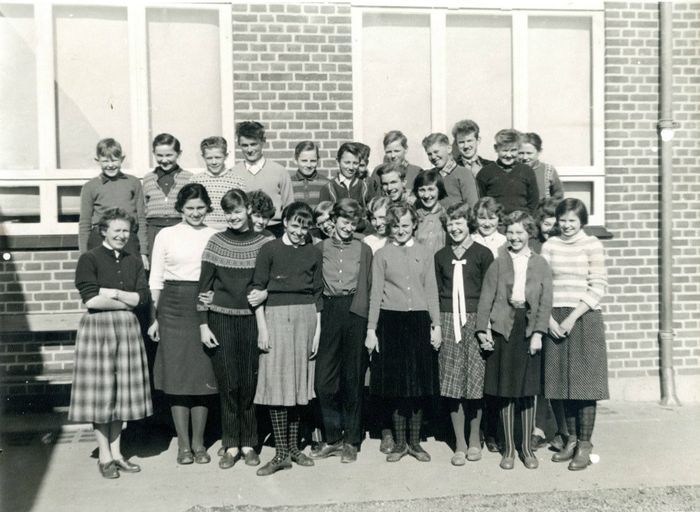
79 73
540 69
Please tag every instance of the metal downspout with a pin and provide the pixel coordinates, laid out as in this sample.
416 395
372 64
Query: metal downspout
666 127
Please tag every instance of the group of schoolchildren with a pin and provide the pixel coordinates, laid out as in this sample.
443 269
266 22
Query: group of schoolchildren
472 281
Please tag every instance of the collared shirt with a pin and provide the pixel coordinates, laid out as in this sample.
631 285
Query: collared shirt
256 167
119 176
166 179
460 248
341 266
474 165
345 181
520 260
116 252
450 166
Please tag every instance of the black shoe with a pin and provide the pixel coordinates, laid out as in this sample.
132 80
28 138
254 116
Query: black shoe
398 453
275 465
349 454
328 450
491 445
108 470
387 444
417 451
126 466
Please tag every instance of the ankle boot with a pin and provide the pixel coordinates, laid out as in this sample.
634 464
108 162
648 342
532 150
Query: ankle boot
566 453
582 458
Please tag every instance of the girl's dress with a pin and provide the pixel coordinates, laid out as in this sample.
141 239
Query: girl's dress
293 279
462 363
576 367
182 366
430 231
110 378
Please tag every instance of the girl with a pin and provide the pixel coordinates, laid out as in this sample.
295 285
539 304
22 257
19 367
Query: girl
395 147
323 226
112 189
262 209
306 182
547 177
110 378
160 187
428 189
516 300
230 328
182 369
376 211
489 215
290 270
403 328
575 367
460 268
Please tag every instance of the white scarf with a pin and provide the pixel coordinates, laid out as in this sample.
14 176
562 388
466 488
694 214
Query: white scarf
459 302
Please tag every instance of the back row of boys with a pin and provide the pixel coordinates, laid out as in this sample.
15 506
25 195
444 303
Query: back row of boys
466 177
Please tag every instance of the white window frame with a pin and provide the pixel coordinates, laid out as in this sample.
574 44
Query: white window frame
519 13
48 177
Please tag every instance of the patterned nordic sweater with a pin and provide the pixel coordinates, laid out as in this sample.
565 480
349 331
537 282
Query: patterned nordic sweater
157 203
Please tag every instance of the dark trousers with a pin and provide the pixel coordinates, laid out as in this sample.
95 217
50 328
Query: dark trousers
235 363
341 364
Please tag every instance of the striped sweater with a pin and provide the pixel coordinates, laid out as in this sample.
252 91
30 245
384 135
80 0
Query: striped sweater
578 270
157 203
217 186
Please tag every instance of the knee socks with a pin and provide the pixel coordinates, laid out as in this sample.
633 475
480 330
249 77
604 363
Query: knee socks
508 420
527 417
278 417
293 418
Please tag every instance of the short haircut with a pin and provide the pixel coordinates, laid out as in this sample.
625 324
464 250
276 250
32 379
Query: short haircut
521 217
298 211
306 145
547 207
506 137
347 208
393 136
261 204
214 142
377 203
365 151
165 139
490 206
323 208
460 211
531 138
192 191
571 204
428 178
233 199
114 214
348 147
398 210
465 127
250 130
389 167
435 138
109 148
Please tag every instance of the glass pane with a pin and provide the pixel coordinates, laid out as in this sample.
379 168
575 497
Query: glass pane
18 109
582 190
19 204
479 75
184 73
396 81
68 203
92 81
559 85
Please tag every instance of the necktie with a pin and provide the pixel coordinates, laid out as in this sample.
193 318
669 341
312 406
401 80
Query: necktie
459 303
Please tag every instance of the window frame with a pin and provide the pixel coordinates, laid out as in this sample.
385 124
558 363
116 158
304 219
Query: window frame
48 177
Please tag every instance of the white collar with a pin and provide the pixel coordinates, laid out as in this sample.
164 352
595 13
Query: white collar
345 181
256 167
525 253
110 248
287 241
410 243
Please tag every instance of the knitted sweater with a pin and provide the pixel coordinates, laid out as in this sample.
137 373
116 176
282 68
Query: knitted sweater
335 190
273 179
217 186
157 203
515 188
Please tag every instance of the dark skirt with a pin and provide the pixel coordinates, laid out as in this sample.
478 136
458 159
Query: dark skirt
576 368
406 364
462 365
511 372
110 377
182 365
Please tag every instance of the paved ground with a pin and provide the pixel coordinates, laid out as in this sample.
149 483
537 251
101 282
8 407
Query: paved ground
649 460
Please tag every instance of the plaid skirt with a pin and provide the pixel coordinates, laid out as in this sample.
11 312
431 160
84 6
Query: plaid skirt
462 365
110 378
285 373
576 368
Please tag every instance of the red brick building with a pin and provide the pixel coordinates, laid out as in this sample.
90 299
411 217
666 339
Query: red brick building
585 75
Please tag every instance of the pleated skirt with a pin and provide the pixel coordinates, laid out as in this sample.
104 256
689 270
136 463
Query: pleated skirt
110 378
576 368
462 365
182 365
406 365
285 372
511 372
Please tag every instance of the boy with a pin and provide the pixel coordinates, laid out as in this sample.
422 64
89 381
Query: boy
342 359
459 182
262 209
512 184
466 145
259 173
346 183
392 177
216 179
307 182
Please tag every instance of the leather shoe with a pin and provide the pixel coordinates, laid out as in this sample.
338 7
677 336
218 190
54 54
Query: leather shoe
108 470
566 453
473 454
458 459
349 454
418 453
301 458
228 459
398 453
221 451
126 466
582 457
537 442
557 443
201 456
491 445
530 462
328 450
507 462
275 465
251 458
387 444
184 457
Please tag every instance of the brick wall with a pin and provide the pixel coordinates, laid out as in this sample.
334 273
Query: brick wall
633 187
293 72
